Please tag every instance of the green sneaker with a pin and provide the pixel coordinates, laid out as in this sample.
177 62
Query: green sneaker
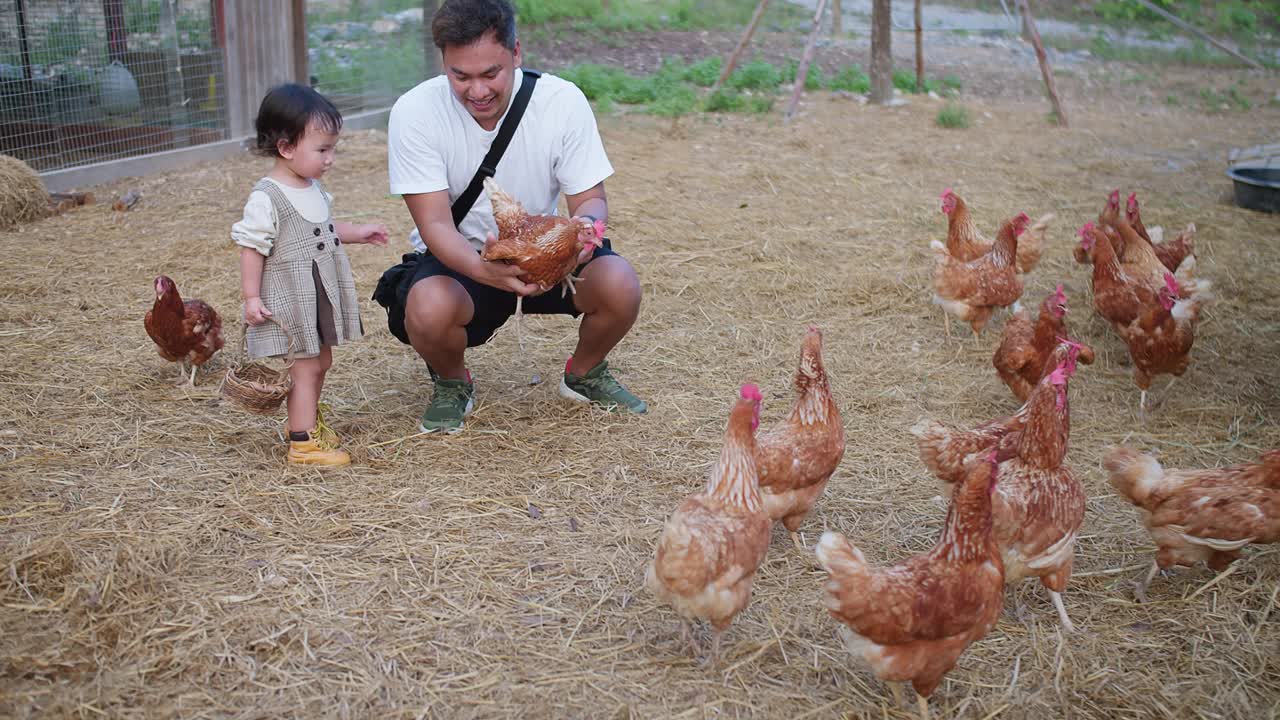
451 403
599 386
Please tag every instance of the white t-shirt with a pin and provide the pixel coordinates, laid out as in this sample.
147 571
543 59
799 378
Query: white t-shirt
434 144
257 229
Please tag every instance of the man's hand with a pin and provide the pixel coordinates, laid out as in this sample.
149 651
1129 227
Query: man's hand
591 235
255 313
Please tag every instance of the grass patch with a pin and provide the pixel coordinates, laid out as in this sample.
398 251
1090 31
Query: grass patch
756 75
851 78
954 117
905 80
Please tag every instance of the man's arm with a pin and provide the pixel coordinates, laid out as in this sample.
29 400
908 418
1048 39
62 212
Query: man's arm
591 201
434 218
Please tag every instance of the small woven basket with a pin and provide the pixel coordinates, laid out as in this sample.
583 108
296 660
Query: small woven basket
256 387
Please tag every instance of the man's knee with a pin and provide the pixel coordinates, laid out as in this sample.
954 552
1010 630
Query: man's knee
433 306
617 282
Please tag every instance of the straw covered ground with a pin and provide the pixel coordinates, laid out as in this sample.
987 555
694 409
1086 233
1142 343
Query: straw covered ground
159 559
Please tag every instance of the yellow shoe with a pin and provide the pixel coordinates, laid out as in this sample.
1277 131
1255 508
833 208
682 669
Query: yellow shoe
316 450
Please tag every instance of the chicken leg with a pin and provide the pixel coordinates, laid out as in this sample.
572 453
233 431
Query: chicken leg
1140 587
897 694
922 702
798 541
687 637
1062 611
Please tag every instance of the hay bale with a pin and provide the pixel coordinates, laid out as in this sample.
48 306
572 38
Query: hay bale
22 194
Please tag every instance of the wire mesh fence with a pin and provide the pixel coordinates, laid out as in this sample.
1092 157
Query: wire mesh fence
83 81
87 81
364 53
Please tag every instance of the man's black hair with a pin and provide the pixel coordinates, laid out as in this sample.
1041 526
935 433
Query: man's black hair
459 23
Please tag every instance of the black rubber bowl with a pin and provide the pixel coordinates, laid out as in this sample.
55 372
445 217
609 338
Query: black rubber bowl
1257 188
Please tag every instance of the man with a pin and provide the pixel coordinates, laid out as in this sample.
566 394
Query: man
447 298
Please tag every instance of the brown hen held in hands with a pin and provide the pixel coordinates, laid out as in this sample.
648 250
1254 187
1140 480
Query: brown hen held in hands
184 331
546 247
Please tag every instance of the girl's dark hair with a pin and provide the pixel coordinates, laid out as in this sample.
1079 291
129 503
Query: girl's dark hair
462 22
285 113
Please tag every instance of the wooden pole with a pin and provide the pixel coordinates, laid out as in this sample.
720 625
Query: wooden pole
117 32
919 48
301 63
881 56
742 44
1029 27
802 72
1198 33
837 19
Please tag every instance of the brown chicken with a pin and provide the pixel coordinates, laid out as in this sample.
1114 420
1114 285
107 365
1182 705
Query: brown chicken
796 458
1117 296
546 247
1199 515
965 242
1023 355
1038 504
1160 338
1171 253
911 622
972 290
945 451
184 331
715 540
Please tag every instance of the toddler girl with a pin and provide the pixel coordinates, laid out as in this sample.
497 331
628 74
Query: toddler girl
294 272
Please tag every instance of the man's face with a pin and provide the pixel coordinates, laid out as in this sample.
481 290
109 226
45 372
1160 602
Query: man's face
481 75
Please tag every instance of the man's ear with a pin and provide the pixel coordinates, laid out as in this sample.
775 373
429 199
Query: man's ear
515 55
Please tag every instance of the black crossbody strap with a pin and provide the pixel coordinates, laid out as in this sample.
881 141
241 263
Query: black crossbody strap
489 165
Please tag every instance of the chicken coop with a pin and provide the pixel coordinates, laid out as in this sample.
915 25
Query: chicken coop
94 89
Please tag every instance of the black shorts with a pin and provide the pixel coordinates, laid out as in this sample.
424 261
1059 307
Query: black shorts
493 307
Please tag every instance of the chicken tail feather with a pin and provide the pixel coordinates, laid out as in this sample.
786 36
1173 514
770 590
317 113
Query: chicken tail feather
1133 474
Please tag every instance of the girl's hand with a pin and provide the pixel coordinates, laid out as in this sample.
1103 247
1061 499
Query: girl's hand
255 313
370 234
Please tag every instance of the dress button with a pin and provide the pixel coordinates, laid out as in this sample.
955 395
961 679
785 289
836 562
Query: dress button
317 231
320 246
330 227
337 241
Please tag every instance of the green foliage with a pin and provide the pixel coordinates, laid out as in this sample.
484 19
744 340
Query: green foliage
541 11
1233 98
954 117
638 15
1235 17
1128 10
905 80
674 101
760 104
815 79
723 100
756 75
850 78
705 72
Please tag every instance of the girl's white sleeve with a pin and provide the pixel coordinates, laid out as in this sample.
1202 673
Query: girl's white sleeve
257 229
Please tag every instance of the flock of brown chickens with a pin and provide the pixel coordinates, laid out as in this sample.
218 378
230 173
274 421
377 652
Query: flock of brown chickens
1016 507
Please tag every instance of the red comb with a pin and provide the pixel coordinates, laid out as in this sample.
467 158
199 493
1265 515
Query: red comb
945 193
1088 228
1133 200
751 391
1171 282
